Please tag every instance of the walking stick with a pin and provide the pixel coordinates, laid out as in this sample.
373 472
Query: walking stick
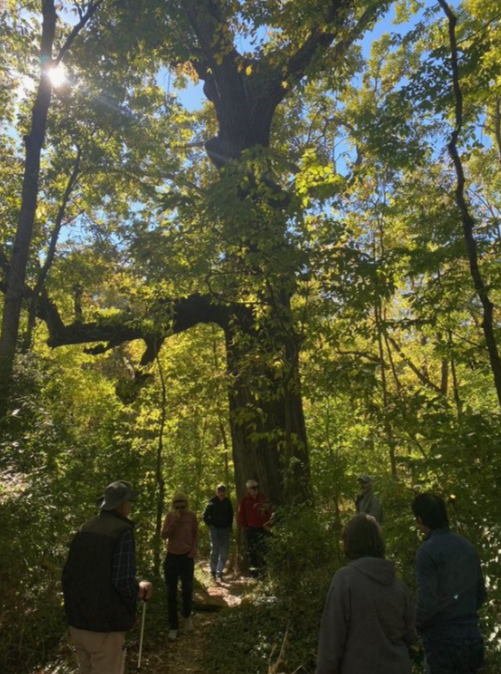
142 634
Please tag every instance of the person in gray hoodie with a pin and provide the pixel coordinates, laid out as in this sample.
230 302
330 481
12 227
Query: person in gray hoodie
368 618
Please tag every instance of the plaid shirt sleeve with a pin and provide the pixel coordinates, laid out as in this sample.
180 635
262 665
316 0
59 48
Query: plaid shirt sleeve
123 575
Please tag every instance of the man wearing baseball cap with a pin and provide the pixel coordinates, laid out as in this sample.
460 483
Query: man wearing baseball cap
367 501
100 585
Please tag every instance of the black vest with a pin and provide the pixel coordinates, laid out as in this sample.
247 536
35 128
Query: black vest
90 600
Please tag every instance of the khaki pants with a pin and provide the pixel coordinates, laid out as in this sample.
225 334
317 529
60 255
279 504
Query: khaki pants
99 652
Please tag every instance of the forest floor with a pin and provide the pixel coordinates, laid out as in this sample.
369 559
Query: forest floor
186 654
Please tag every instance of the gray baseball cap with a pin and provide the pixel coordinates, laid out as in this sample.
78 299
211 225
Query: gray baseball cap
115 494
365 479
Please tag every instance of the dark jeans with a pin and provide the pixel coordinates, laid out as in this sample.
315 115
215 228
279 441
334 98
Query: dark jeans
453 654
178 567
257 547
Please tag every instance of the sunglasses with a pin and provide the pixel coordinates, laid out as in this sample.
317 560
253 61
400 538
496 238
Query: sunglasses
254 488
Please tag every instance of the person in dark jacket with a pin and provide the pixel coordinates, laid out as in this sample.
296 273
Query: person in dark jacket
450 590
368 619
367 502
99 583
218 516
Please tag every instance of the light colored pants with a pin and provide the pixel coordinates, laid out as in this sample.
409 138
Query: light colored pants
219 544
99 652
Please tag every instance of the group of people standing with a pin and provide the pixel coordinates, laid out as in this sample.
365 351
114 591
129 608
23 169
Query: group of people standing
369 621
99 578
180 529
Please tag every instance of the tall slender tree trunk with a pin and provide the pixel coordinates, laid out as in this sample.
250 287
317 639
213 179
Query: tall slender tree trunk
19 260
466 217
159 476
34 141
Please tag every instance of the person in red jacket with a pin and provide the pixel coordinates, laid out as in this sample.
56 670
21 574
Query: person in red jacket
254 518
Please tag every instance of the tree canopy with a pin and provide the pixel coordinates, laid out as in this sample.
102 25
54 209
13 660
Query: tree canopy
296 281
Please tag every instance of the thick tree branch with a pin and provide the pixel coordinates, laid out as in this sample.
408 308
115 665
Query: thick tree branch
178 316
246 92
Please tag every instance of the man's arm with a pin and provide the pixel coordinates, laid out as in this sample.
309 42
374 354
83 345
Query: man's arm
374 509
207 516
427 603
170 524
123 574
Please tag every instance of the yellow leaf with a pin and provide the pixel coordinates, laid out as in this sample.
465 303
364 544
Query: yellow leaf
248 70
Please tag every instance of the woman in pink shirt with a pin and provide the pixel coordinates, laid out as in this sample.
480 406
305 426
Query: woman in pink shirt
180 529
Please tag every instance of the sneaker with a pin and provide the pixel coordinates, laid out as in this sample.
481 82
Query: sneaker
172 636
188 625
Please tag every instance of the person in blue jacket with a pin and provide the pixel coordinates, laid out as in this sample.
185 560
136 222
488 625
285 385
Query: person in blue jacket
450 590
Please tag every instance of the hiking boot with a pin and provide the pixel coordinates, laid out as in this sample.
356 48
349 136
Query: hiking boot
213 576
188 625
220 577
172 636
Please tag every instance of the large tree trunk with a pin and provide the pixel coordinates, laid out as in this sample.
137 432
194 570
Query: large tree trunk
268 432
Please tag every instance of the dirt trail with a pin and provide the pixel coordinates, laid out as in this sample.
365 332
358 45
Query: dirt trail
186 654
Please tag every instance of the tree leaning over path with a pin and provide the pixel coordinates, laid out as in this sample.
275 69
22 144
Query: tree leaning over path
250 289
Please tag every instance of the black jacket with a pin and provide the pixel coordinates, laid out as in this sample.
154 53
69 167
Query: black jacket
91 601
218 513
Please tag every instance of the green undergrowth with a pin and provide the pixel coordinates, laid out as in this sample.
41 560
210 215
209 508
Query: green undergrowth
276 626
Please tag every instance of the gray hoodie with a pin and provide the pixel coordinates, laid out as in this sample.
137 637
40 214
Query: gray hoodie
368 623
